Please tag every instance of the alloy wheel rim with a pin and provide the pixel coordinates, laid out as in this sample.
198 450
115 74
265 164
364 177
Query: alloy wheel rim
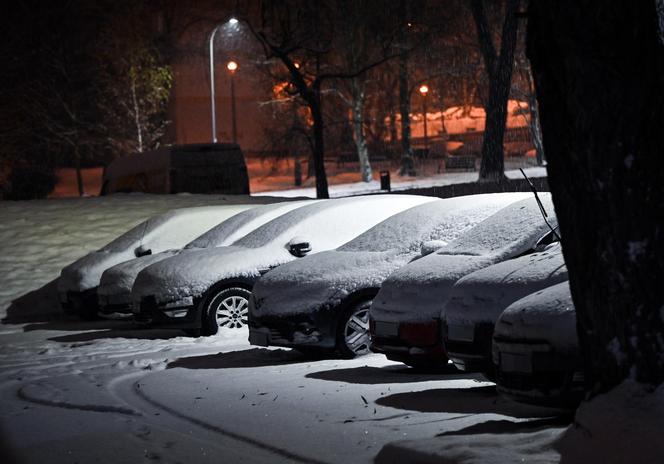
356 331
232 312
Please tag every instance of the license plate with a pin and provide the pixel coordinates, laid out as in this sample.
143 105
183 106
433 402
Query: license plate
258 338
511 362
387 329
464 333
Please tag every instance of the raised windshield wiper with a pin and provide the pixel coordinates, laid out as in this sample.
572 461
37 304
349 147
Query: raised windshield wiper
541 206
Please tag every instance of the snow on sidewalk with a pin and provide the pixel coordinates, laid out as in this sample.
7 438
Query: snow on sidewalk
363 188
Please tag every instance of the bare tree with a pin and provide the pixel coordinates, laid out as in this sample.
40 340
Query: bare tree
499 70
135 90
301 36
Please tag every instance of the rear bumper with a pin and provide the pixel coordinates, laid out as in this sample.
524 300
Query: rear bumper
410 343
534 372
185 316
469 346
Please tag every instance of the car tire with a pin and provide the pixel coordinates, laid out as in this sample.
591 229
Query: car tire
353 330
226 308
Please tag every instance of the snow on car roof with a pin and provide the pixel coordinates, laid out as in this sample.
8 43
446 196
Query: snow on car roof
341 219
510 228
440 220
183 225
242 223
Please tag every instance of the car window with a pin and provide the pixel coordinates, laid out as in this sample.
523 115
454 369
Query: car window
516 226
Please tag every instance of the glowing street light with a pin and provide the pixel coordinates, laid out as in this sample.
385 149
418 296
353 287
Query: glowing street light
232 67
232 21
423 91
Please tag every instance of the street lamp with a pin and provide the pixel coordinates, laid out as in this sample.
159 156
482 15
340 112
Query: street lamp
232 67
423 91
233 23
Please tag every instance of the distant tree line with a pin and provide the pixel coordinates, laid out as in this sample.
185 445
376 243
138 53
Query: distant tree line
81 81
358 64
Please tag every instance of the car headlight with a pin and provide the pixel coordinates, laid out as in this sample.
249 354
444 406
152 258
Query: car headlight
187 301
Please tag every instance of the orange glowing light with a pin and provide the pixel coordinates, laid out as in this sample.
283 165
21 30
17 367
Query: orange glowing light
231 66
424 89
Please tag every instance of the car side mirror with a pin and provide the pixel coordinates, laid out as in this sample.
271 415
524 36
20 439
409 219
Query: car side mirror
299 247
142 251
430 246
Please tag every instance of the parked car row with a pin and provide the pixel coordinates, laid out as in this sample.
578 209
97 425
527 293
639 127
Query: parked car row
478 280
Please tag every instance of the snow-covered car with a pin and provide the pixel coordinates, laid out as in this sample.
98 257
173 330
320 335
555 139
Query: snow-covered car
78 282
405 316
477 300
114 292
208 289
321 302
536 349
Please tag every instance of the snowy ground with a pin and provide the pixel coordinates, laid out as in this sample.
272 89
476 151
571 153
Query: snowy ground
108 391
362 188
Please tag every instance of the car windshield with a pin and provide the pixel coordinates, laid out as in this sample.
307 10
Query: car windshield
241 224
172 229
516 226
134 236
441 220
330 223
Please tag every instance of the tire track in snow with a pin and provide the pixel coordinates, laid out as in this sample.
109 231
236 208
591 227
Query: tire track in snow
127 385
25 394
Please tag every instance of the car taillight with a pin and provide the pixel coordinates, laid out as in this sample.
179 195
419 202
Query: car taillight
420 333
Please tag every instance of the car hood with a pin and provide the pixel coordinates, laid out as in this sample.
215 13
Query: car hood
322 280
545 316
85 273
120 278
192 272
480 297
417 291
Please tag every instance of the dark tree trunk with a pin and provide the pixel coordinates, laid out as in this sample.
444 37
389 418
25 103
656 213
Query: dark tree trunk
79 176
599 74
534 125
319 143
407 162
499 69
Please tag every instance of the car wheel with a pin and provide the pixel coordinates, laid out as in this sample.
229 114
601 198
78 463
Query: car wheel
227 308
353 330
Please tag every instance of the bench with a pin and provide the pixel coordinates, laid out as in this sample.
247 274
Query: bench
466 163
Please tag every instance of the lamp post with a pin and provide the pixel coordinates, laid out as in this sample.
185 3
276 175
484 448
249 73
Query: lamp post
423 91
232 67
231 22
